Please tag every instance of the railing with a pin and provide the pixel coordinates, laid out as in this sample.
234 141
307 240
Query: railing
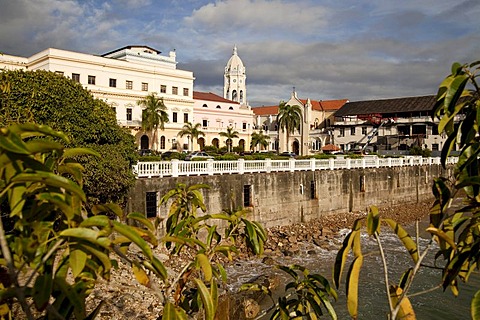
177 168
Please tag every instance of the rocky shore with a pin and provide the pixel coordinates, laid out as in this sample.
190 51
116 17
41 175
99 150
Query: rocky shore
124 298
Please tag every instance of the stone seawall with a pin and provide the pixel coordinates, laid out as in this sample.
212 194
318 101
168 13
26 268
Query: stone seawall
284 198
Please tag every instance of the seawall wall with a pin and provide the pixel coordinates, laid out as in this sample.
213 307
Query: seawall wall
283 198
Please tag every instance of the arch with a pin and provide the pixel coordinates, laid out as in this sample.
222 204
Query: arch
205 105
144 142
162 142
275 144
230 108
218 106
215 142
296 146
241 144
201 143
241 95
234 95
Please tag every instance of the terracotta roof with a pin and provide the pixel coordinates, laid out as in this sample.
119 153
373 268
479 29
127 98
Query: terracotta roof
326 105
209 96
330 147
388 106
265 110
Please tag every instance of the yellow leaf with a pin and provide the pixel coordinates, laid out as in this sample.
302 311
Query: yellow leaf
352 286
406 310
140 275
204 263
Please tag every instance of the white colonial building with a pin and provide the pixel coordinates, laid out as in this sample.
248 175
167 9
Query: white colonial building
124 76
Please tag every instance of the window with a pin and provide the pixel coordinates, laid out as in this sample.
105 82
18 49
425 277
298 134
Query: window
151 204
174 117
230 108
163 88
364 131
174 90
352 131
144 86
185 117
244 126
129 114
129 85
218 107
76 77
247 190
185 91
162 142
342 132
112 83
91 79
312 189
435 147
205 123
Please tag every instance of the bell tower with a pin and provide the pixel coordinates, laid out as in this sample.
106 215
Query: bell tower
234 87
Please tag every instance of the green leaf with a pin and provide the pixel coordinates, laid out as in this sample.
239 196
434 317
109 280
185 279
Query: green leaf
43 146
475 306
74 152
403 235
171 312
131 234
77 260
352 286
42 290
108 208
204 263
207 300
13 144
81 233
51 179
140 275
95 221
142 219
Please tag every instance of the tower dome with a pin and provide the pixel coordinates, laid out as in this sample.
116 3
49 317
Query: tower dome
234 80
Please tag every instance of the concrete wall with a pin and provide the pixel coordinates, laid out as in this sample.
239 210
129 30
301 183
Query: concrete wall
280 199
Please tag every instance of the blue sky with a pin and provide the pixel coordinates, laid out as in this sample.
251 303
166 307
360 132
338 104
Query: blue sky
326 49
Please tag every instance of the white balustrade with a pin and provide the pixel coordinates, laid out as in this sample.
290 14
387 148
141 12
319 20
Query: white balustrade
177 168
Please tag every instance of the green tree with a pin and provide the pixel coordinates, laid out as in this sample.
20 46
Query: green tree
154 115
230 134
258 138
46 98
192 131
289 118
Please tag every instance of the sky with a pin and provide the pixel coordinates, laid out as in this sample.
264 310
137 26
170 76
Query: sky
325 49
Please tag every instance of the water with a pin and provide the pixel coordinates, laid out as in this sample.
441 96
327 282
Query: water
372 297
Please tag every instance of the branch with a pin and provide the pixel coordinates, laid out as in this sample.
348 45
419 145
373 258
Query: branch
385 272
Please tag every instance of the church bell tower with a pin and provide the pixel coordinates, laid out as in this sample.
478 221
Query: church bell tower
234 87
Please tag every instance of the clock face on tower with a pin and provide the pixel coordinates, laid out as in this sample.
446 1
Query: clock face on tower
234 80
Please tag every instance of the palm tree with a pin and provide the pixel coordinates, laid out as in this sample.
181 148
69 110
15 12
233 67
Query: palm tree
289 118
259 139
191 131
154 114
230 134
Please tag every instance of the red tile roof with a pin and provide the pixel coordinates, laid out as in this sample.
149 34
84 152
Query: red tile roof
209 96
326 105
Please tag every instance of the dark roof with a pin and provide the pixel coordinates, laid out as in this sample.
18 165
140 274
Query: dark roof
131 47
397 105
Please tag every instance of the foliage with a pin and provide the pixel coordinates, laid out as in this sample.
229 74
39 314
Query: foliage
228 156
54 251
150 158
305 296
289 118
259 138
396 294
419 151
46 98
456 232
230 134
186 231
193 131
211 150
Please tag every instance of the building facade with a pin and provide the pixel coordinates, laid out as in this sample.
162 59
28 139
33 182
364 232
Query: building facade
388 125
315 130
235 85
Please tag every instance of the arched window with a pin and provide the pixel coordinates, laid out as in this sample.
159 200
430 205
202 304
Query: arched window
144 142
218 107
230 108
201 143
234 95
162 142
205 106
215 142
241 95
